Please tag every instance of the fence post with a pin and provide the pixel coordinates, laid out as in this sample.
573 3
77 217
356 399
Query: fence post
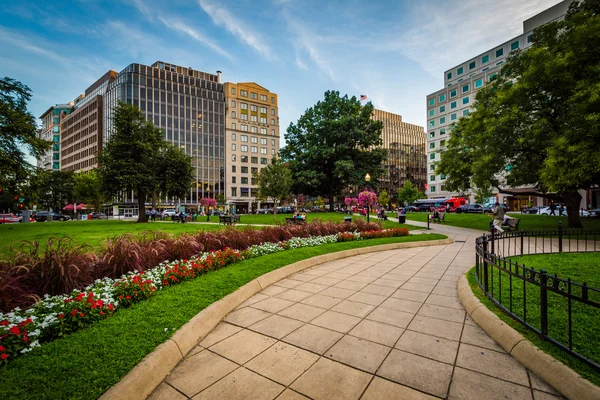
560 235
484 243
493 250
428 219
544 302
522 242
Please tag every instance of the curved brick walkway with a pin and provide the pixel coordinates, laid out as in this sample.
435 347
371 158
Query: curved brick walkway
385 325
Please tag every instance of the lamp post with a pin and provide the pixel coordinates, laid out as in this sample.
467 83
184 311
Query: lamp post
368 179
208 207
350 212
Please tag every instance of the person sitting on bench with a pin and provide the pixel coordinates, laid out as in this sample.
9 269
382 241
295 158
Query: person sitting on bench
435 215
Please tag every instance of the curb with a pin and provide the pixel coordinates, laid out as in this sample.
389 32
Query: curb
566 381
141 381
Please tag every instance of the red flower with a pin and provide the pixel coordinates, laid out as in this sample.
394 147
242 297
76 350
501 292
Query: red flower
101 313
74 312
14 330
3 323
110 307
128 297
4 356
2 348
81 314
60 316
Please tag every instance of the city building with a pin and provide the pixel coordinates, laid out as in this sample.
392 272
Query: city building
406 155
251 141
461 83
51 120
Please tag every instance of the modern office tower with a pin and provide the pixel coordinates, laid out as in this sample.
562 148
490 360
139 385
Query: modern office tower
189 106
406 159
50 130
461 83
82 130
251 140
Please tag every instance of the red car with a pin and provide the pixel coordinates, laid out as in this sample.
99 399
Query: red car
10 219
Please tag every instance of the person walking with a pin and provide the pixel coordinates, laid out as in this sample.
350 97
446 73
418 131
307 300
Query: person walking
561 208
552 208
498 215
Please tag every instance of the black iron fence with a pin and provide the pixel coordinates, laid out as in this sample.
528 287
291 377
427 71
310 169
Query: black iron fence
561 311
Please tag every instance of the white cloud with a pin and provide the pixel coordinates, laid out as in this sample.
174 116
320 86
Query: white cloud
223 17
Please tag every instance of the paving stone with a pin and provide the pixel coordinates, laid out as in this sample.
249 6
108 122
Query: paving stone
350 285
377 332
272 304
242 384
436 327
289 394
303 277
368 298
472 385
246 316
493 363
402 305
276 326
192 374
391 317
337 292
388 283
424 281
311 287
446 284
288 283
445 291
538 395
353 308
421 373
539 384
409 295
358 353
445 313
329 380
319 300
326 281
439 349
444 301
242 346
336 321
362 279
254 299
379 290
194 351
282 363
418 287
381 389
273 290
221 331
293 295
313 338
166 392
302 312
337 275
476 336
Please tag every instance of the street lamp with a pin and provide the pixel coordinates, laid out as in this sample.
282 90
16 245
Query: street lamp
368 179
208 207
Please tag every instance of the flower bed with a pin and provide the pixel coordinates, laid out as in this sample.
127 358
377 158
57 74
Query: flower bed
55 316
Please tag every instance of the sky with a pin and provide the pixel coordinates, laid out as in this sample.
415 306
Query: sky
395 52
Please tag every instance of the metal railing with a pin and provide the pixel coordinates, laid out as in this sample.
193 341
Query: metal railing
561 311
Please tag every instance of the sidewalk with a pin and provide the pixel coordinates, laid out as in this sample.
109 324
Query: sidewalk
385 325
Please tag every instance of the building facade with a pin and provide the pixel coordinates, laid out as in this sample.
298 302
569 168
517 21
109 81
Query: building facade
251 140
50 130
406 155
461 83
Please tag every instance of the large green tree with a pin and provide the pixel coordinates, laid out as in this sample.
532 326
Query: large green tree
88 189
55 190
538 123
18 132
137 159
333 145
274 182
409 193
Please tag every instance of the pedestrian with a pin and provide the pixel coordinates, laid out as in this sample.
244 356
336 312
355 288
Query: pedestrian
498 215
552 208
561 209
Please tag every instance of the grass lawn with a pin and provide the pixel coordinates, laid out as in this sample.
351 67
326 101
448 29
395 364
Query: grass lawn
85 364
85 232
528 222
580 267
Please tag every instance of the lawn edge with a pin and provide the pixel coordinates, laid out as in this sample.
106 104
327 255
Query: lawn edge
565 380
141 381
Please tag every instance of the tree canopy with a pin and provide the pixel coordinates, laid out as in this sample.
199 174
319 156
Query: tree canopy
537 124
274 182
334 144
409 193
137 159
18 131
55 190
88 189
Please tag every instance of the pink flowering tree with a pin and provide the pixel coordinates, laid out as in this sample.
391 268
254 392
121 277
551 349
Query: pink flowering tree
367 198
347 201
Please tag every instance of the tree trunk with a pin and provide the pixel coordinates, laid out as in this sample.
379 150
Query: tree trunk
141 195
331 198
275 202
573 200
153 199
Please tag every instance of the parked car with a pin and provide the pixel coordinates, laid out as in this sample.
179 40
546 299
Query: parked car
473 208
532 210
45 216
595 212
10 219
99 215
547 211
170 212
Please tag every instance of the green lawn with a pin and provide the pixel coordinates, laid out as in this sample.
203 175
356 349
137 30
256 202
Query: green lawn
528 222
580 267
85 364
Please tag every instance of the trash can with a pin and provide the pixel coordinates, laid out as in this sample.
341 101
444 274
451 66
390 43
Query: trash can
401 219
348 219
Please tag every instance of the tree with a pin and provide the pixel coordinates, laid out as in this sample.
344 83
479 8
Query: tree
274 182
334 144
56 189
137 159
537 123
383 199
482 193
409 193
88 189
18 131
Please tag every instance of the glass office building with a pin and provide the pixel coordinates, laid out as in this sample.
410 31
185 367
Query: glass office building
189 106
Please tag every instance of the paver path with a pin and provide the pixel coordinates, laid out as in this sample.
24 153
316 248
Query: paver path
384 325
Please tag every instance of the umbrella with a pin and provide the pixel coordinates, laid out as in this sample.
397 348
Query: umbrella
80 207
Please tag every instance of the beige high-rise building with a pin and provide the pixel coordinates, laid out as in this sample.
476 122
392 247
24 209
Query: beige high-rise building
251 140
406 158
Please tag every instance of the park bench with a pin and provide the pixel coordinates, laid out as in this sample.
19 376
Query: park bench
439 219
228 219
512 223
295 221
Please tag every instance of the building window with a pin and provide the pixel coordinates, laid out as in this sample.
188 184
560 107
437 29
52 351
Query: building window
232 103
232 90
263 131
500 63
472 65
233 167
263 141
56 129
244 180
244 128
244 159
244 138
254 129
244 148
453 93
233 125
441 188
431 178
466 100
453 117
485 59
529 38
233 146
253 95
273 152
254 118
432 167
263 97
263 120
442 120
453 105
273 100
263 150
272 121
263 110
499 53
244 106
233 157
465 113
479 83
253 108
272 132
272 142
244 93
514 45
442 109
272 111
253 139
244 170
244 192
432 101
449 75
244 117
254 160
431 112
234 190
492 77
431 123
485 69
432 188
442 144
264 161
432 156
254 169
465 88
442 97
431 134
254 149
233 179
443 131
233 114
432 145
459 71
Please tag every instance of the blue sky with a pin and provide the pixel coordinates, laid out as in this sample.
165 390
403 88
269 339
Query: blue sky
395 52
